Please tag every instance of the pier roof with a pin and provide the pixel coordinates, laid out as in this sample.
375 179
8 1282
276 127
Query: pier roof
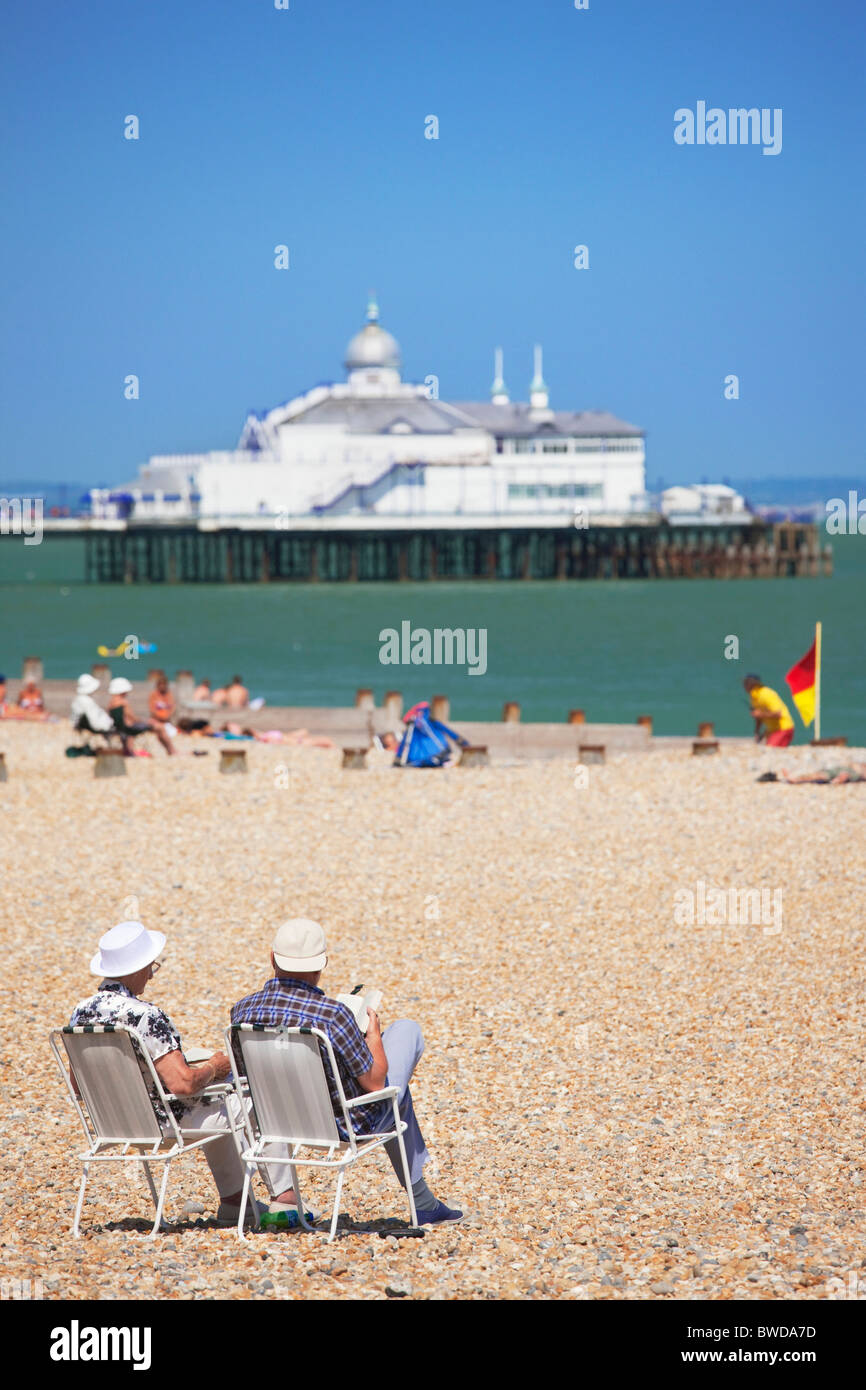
516 418
377 415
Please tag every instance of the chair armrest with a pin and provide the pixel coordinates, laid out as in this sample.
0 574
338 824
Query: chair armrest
387 1094
216 1088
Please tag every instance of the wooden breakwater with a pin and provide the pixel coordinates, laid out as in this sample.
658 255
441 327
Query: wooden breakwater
190 552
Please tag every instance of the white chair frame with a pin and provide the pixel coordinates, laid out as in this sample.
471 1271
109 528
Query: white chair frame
323 1134
161 1144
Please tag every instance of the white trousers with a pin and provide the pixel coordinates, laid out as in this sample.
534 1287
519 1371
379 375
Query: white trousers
223 1155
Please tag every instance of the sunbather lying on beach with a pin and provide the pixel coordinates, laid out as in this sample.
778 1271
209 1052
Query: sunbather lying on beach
300 738
824 776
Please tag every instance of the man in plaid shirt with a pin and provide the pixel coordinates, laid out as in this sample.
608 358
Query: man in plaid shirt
293 999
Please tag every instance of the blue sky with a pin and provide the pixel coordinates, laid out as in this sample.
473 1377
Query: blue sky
306 127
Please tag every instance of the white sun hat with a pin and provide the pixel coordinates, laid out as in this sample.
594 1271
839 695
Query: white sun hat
119 686
300 945
126 948
87 685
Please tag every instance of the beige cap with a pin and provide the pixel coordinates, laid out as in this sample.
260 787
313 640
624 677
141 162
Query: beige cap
300 945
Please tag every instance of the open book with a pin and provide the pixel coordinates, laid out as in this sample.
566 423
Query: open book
359 1003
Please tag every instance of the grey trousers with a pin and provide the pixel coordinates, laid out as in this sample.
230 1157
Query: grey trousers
403 1043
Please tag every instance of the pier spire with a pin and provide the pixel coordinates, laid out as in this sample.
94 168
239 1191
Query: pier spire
538 393
498 391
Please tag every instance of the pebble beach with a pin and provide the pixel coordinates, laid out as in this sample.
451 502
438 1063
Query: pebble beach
626 1104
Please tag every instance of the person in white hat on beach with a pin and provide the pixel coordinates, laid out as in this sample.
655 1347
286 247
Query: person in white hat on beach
366 1062
124 718
85 713
126 961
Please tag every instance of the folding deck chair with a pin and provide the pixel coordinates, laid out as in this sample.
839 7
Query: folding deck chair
116 1108
291 1108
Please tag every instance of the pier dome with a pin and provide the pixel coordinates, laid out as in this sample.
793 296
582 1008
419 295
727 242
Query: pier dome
372 347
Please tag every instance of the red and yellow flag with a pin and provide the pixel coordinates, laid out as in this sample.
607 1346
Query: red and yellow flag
804 679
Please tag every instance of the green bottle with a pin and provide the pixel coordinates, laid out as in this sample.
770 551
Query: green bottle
279 1221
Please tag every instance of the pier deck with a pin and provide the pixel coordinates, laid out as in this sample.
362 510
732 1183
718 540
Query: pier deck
134 552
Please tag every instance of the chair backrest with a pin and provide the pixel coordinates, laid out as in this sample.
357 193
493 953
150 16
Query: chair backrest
104 1059
288 1085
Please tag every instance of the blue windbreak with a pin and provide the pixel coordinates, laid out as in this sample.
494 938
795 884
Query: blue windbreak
427 741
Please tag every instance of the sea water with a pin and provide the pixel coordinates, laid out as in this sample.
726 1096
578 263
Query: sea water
614 648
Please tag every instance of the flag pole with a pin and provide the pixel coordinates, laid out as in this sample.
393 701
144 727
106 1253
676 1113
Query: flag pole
817 680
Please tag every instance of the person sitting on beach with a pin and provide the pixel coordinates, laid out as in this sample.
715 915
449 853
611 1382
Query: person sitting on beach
237 695
366 1062
30 698
773 723
126 962
85 713
202 692
161 705
387 742
835 776
27 706
125 721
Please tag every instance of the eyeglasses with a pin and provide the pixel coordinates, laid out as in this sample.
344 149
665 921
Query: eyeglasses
155 965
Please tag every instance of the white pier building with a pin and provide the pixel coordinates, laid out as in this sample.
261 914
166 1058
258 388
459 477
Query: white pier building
375 446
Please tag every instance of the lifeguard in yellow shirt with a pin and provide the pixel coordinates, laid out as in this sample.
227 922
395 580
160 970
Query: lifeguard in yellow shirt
773 723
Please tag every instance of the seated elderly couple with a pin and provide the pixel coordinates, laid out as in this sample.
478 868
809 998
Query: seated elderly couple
126 960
